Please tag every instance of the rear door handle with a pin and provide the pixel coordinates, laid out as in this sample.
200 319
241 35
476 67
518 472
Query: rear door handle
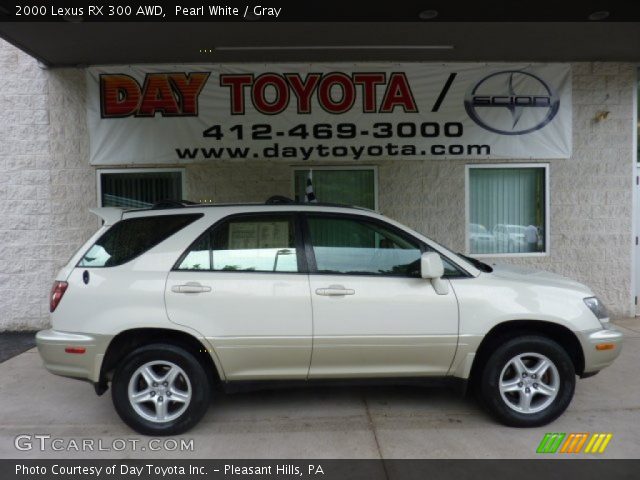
190 287
335 290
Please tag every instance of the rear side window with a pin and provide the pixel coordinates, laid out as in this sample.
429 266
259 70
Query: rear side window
263 243
132 237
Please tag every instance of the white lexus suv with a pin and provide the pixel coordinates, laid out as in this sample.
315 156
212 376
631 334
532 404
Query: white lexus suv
166 304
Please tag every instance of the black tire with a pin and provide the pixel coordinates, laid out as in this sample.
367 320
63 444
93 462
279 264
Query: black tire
499 406
198 384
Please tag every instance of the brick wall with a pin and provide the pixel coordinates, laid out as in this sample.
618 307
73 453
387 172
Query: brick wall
238 181
47 186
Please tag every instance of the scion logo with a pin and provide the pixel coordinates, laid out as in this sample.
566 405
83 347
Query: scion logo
511 102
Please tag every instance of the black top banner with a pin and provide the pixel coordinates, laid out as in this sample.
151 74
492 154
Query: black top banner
316 11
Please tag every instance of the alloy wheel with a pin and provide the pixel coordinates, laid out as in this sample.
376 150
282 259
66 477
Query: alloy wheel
159 391
529 383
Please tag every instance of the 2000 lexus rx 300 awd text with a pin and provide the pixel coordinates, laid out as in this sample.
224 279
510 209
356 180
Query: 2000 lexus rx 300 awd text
166 303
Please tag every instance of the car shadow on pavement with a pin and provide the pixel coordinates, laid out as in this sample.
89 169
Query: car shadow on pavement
343 404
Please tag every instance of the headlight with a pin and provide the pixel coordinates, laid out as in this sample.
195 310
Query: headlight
598 308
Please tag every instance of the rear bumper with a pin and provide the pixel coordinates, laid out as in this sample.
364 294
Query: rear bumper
596 359
56 349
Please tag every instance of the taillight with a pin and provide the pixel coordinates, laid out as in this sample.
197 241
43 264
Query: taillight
57 291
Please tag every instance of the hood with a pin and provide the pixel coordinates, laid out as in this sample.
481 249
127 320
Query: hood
538 277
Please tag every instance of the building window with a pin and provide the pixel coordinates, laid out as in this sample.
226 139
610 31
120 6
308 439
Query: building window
507 207
355 186
139 188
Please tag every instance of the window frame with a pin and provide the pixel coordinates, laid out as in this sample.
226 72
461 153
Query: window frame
101 171
301 256
547 210
311 258
374 168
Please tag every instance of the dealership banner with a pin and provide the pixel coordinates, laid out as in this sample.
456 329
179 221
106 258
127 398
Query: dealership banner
173 114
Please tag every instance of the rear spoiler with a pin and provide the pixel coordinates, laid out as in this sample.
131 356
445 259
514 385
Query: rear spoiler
109 215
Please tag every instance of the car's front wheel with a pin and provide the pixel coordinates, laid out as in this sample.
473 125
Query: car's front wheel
528 381
160 389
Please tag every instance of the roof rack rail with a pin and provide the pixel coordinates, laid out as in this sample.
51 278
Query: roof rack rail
172 204
278 200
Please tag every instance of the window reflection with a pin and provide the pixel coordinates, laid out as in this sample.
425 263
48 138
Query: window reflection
264 244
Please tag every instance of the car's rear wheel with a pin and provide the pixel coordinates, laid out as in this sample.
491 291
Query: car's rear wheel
528 381
161 389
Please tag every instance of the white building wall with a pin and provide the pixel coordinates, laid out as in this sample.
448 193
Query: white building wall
47 186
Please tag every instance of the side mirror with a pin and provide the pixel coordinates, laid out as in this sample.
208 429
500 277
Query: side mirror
432 268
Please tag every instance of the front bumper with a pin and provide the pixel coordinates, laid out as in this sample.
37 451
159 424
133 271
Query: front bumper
601 347
57 351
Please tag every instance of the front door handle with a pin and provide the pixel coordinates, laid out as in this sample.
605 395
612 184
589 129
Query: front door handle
190 287
335 290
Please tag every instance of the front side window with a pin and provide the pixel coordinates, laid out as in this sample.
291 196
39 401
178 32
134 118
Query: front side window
132 237
507 210
256 244
349 246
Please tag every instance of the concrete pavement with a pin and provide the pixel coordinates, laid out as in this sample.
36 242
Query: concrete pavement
336 422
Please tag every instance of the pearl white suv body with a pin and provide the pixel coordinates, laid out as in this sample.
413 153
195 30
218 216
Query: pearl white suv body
167 303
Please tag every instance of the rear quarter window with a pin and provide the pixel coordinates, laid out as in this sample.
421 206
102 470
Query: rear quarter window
132 237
